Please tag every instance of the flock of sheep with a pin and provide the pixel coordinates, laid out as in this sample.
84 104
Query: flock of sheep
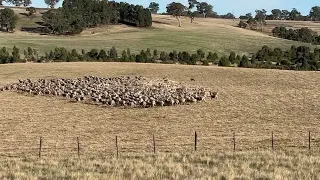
116 91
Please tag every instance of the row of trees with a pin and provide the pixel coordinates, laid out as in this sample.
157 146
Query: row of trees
296 58
76 15
294 14
25 3
7 57
303 34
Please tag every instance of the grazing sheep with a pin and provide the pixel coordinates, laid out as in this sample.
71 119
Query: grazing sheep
116 91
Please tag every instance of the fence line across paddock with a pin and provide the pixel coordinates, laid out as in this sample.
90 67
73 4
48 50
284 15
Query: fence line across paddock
39 147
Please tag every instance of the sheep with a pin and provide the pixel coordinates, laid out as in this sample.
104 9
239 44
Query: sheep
116 91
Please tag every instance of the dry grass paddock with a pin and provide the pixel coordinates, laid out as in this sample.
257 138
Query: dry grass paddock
215 165
251 102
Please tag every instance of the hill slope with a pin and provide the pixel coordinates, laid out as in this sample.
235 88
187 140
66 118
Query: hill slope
215 35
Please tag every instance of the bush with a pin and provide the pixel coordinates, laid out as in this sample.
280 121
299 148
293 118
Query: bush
244 61
224 61
242 24
201 54
102 55
113 53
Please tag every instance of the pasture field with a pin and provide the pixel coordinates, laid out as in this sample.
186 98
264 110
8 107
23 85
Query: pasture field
251 102
216 35
215 165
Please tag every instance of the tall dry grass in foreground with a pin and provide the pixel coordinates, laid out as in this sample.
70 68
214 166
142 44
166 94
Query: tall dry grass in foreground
249 165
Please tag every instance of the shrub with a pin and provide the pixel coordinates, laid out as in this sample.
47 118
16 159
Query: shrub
201 54
224 61
244 61
113 53
102 55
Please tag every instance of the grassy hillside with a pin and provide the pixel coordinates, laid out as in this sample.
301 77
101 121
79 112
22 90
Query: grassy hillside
208 34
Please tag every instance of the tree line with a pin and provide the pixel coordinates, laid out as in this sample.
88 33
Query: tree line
76 15
303 34
25 3
296 58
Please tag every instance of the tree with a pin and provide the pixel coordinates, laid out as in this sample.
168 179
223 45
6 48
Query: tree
113 53
154 7
8 19
242 24
232 57
31 11
176 10
261 17
102 55
244 61
224 61
124 56
204 8
294 14
27 3
51 3
315 13
285 14
200 54
15 55
276 14
192 4
249 15
155 54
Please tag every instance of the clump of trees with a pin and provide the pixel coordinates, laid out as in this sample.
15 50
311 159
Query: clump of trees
296 58
51 3
303 34
7 57
8 19
254 23
17 2
134 15
76 15
154 7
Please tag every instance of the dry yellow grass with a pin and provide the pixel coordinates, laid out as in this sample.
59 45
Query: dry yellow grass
251 103
251 165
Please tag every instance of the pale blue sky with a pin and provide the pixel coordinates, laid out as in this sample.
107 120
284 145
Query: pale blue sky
239 7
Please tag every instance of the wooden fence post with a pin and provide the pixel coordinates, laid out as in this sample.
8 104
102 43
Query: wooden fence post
195 140
272 141
234 141
78 143
117 146
309 140
154 144
40 147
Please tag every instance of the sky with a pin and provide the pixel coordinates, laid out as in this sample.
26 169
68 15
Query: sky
238 7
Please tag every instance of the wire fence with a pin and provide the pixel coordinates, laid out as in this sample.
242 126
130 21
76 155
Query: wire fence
78 146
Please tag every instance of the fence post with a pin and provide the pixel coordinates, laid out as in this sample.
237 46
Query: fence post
78 143
40 147
309 140
195 141
272 141
154 144
117 146
234 141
